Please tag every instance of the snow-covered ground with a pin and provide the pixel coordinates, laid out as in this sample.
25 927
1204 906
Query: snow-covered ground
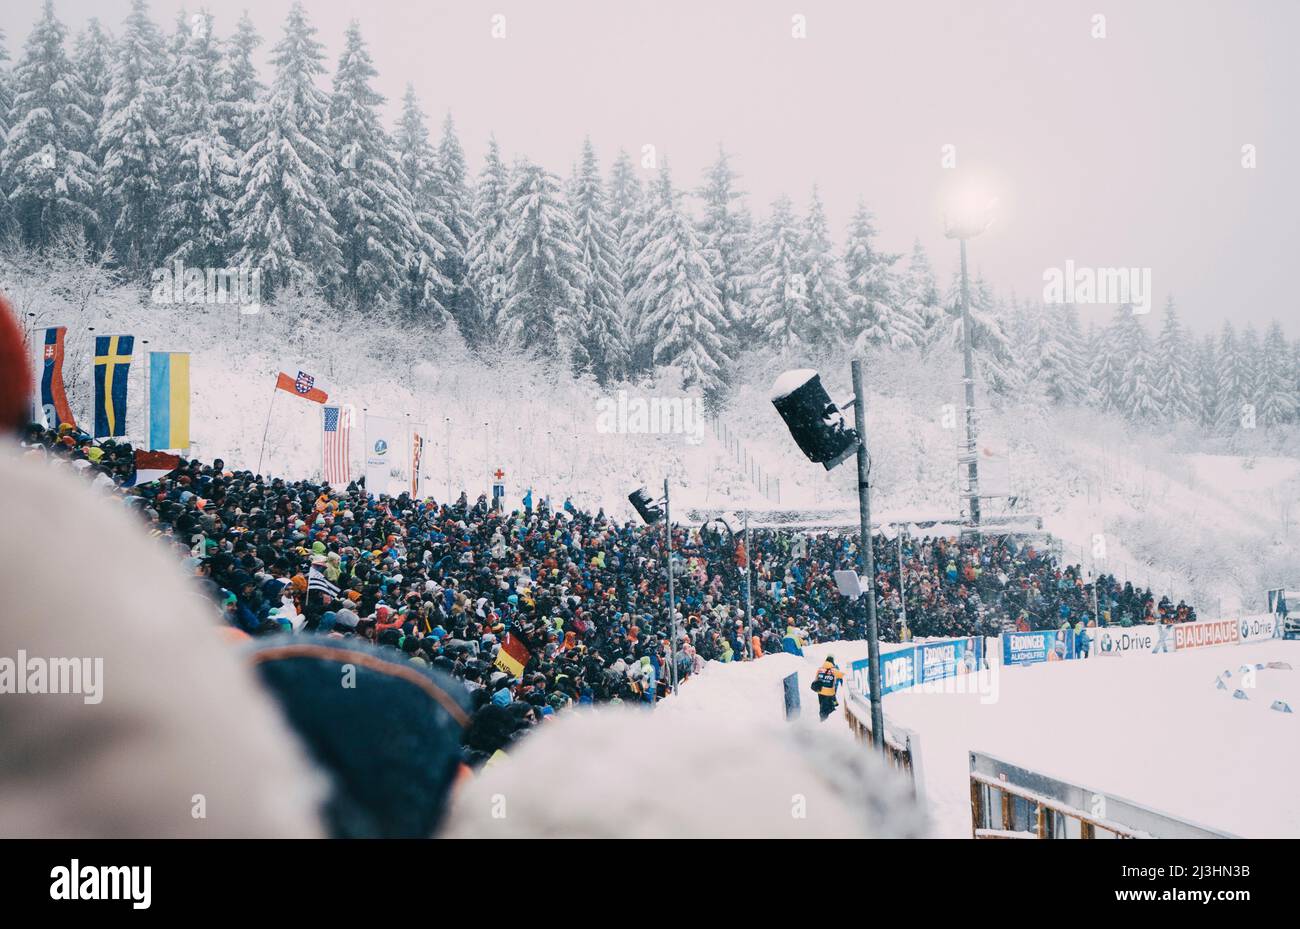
1153 729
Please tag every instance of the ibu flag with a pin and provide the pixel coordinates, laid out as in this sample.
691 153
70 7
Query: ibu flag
54 398
386 460
112 367
169 399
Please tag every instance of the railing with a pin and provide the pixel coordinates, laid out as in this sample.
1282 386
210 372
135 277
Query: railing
901 745
1010 802
767 485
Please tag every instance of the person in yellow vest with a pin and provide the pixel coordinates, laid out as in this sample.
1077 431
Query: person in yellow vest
825 684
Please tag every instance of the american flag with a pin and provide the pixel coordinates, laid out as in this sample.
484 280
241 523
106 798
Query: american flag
334 447
318 581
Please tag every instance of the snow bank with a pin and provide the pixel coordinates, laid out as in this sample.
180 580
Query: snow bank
1149 728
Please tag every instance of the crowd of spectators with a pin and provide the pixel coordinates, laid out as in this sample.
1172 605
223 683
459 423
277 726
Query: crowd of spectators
577 598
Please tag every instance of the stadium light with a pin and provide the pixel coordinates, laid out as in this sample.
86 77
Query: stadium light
969 212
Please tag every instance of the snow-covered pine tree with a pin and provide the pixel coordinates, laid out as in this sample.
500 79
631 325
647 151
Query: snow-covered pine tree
1207 381
93 62
1139 395
6 101
485 257
601 348
624 195
1249 353
545 277
282 219
995 361
455 202
1276 389
202 168
627 219
6 91
678 303
45 170
423 284
827 293
1175 369
921 301
1230 381
724 229
239 87
130 141
1060 350
882 312
779 293
372 207
1107 367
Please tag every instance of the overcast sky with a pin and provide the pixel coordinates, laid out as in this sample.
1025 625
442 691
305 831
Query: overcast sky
1116 151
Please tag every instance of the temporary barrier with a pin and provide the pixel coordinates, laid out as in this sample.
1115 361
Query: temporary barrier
902 745
1010 802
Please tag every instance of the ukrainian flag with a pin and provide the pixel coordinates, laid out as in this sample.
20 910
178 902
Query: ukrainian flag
112 366
169 399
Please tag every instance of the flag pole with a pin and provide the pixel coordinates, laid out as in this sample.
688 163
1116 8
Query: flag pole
267 430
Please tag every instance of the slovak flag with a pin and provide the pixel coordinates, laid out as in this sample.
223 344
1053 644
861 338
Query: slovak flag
304 385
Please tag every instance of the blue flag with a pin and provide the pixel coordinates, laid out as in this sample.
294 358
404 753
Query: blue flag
112 366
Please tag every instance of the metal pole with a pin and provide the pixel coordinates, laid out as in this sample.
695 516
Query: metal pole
749 607
267 430
868 558
672 603
902 589
972 467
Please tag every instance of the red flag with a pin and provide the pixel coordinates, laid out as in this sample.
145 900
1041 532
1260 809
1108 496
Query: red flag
304 385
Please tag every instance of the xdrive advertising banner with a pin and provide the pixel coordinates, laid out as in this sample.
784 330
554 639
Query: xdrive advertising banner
1112 641
1256 628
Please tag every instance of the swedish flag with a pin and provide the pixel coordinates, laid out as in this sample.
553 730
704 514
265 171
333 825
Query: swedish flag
169 399
112 366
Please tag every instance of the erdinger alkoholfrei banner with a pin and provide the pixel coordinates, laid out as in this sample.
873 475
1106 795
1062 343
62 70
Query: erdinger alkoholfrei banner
54 399
1033 647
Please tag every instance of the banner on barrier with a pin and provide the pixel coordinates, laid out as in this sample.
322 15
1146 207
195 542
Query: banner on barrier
1264 626
1132 640
1033 647
938 660
919 664
1206 634
897 671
